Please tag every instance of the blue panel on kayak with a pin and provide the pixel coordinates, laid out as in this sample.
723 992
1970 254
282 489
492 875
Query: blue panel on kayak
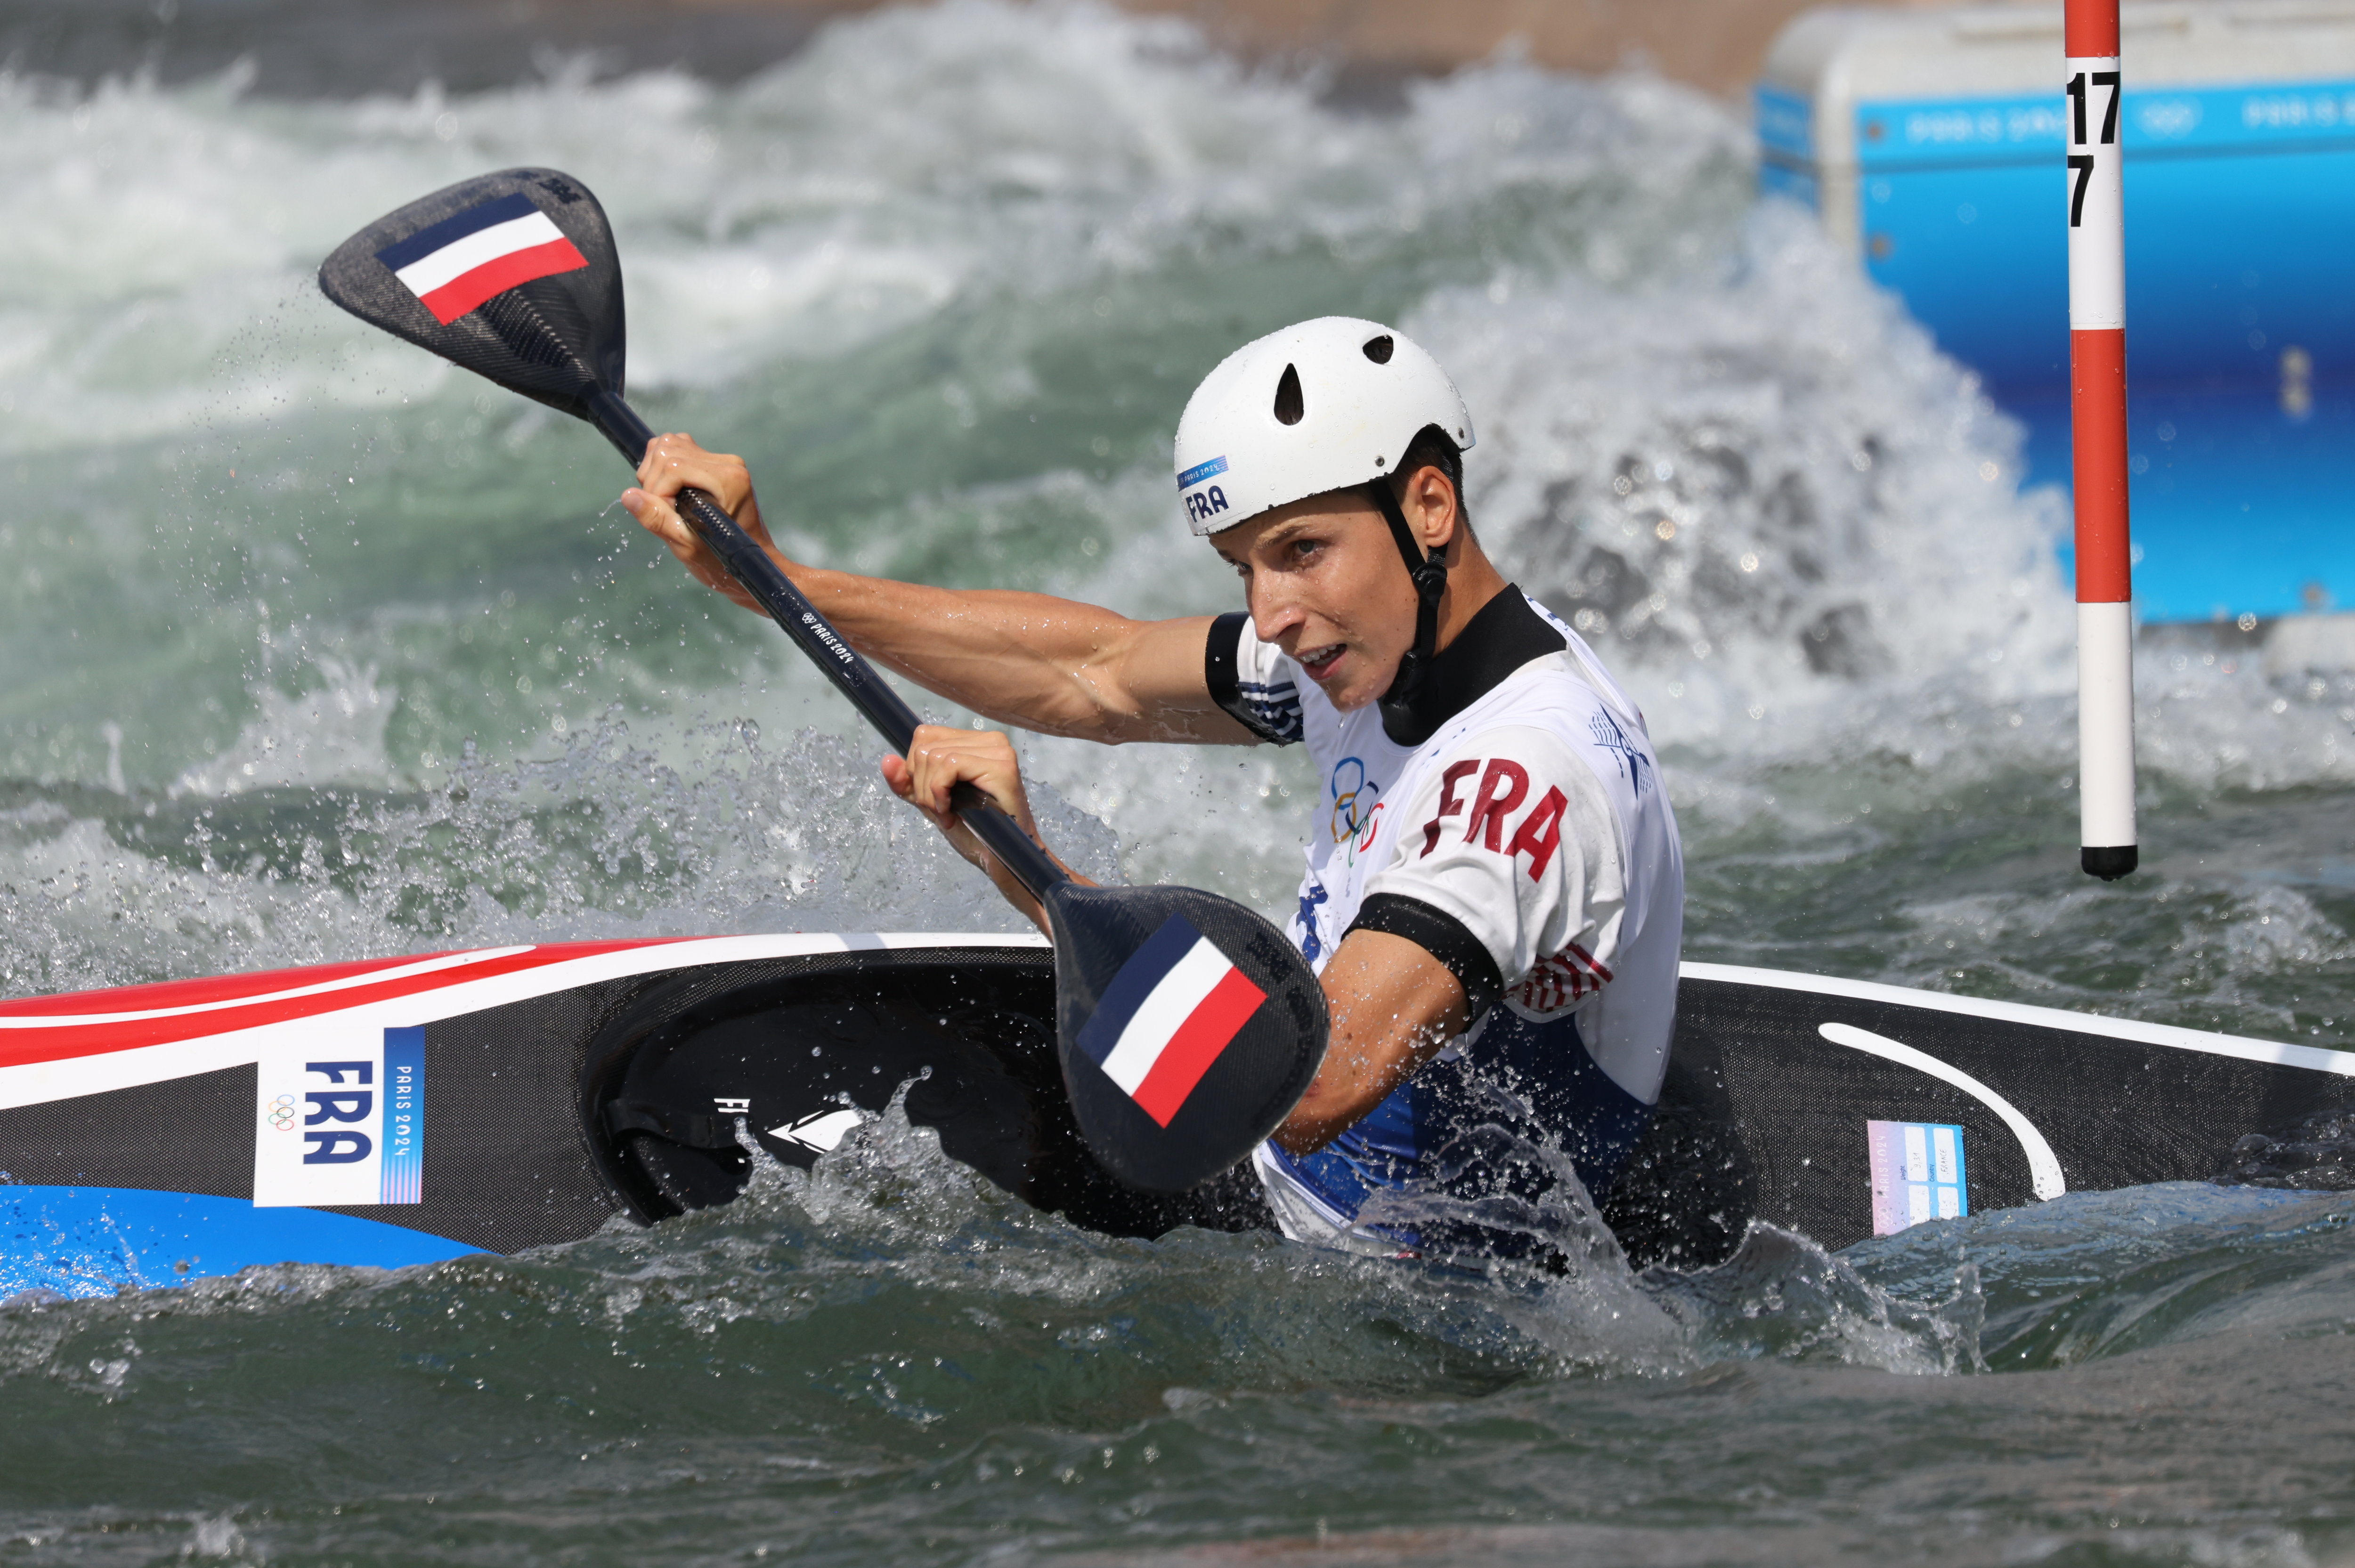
92 1241
1918 1174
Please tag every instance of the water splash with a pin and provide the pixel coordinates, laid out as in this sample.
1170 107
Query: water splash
611 838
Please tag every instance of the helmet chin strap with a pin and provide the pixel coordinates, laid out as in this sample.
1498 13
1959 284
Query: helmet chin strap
1429 574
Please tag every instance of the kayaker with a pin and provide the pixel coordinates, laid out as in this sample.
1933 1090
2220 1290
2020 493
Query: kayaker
1494 891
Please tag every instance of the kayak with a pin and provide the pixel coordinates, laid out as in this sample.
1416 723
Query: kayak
403 1111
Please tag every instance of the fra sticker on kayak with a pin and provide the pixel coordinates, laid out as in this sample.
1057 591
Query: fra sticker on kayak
1917 1174
342 1121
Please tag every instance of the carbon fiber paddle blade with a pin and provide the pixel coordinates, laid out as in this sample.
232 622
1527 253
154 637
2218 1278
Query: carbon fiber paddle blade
512 276
1188 1025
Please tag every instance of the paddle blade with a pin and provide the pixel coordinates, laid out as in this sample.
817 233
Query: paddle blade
512 276
1188 1027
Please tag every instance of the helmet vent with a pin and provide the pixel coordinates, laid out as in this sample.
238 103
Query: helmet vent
1377 349
1290 407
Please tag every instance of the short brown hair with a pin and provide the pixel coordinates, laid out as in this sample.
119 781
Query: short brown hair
1431 448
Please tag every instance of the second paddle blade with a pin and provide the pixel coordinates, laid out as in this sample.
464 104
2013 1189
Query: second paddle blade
1188 1027
512 276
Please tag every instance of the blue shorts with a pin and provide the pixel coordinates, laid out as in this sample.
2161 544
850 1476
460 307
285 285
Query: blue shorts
1490 1120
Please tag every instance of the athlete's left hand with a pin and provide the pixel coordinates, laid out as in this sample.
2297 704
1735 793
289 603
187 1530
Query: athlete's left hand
939 760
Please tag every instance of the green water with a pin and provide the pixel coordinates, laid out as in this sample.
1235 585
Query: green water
316 650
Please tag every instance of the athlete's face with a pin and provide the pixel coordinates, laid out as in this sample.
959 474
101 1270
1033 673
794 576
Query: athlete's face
1324 582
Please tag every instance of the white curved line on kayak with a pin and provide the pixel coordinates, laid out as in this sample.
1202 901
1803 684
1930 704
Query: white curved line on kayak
2318 1059
2043 1169
349 982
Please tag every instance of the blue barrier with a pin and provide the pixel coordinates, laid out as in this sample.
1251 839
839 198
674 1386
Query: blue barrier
2239 235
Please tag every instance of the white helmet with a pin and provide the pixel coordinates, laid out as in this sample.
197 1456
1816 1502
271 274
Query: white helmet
1321 406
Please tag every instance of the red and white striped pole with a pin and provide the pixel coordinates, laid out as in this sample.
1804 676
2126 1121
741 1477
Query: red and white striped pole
2097 395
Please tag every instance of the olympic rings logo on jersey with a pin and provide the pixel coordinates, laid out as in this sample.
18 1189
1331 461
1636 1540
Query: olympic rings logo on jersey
1346 824
280 1112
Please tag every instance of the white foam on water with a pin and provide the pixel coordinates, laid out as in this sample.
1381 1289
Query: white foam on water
608 840
331 734
946 277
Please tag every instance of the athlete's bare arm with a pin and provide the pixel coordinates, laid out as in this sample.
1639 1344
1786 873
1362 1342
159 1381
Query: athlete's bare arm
1027 660
1394 1007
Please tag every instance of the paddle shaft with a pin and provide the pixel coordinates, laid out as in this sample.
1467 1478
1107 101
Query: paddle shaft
852 675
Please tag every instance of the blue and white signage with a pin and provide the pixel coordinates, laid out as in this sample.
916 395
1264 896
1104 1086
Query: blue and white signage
1917 1174
342 1121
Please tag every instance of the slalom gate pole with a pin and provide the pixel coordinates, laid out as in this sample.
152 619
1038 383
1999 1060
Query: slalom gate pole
2097 398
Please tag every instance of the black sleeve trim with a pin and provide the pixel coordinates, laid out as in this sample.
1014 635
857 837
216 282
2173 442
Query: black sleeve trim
1218 661
1442 936
1222 675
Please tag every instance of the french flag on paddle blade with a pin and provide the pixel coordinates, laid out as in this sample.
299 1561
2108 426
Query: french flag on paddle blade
1167 1014
461 261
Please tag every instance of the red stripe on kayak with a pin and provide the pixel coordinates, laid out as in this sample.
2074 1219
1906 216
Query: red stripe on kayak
65 1041
467 290
1197 1044
198 992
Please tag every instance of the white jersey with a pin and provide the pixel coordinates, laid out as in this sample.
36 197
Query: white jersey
1527 845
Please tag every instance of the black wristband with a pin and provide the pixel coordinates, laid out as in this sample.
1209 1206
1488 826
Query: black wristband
1441 935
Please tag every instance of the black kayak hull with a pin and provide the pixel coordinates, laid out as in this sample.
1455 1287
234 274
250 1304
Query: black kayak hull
400 1112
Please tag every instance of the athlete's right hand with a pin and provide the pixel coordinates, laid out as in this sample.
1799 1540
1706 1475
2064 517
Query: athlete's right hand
939 759
674 463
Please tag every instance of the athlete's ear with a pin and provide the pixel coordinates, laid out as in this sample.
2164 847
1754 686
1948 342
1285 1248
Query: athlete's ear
1430 506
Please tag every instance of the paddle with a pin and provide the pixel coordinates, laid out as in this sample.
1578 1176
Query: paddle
1188 1025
